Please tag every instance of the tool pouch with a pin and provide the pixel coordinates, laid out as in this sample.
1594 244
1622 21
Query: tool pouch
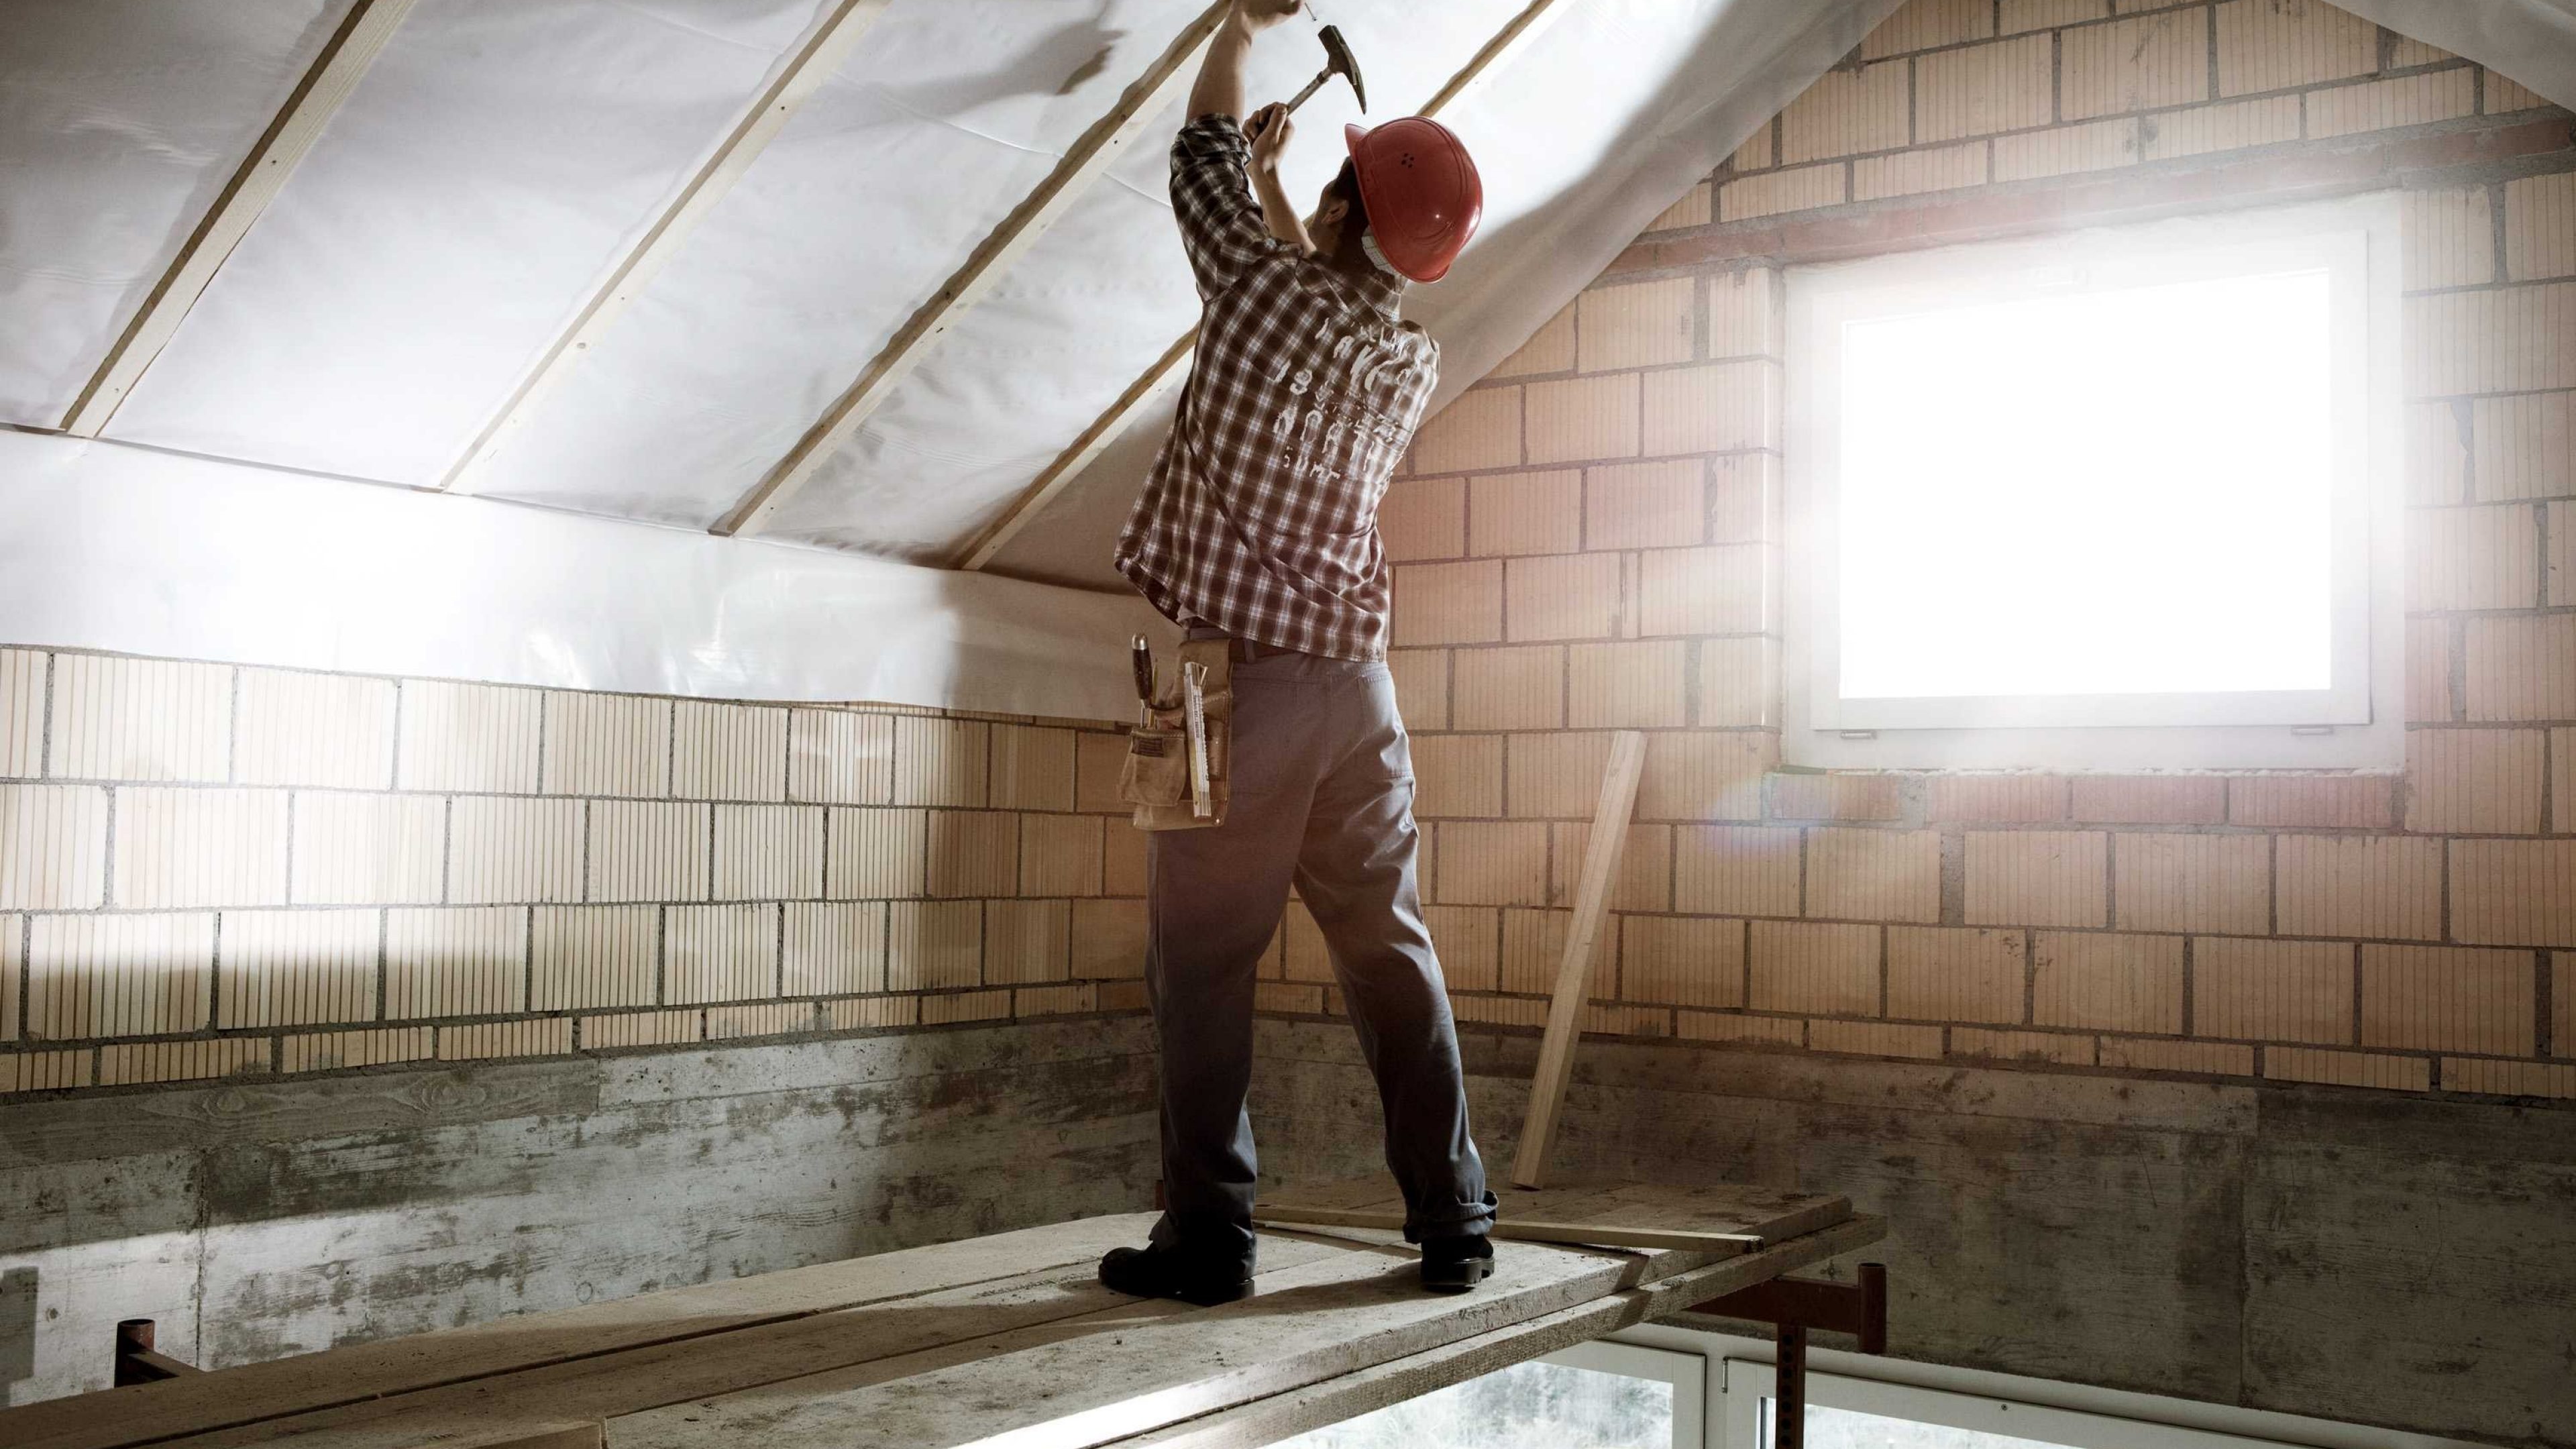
1156 776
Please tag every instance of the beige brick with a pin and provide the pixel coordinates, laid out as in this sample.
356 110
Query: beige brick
53 847
768 852
2540 227
1551 347
1645 879
45 1071
1492 864
1645 505
934 945
840 757
1469 941
1637 324
2507 339
2447 998
1534 950
2525 447
178 1061
1874 875
1518 513
876 853
973 853
1848 111
1123 871
368 849
1754 1031
1874 1039
1098 758
1032 768
1986 1044
489 1040
2019 16
606 744
2428 670
1601 1020
474 962
140 719
763 1018
1800 188
1458 775
834 949
1739 682
331 1051
1572 596
2149 799
1287 998
1840 795
2405 51
1706 774
641 1028
286 968
2505 96
1826 970
2412 100
1480 428
1557 775
2347 1069
1108 939
2353 885
2558 527
2097 146
1744 313
1923 24
2508 1079
2204 1058
894 1011
648 851
2437 454
1722 589
1424 518
2481 782
2271 990
2004 799
2109 982
1510 688
184 847
941 761
1692 209
1074 999
2521 668
2005 86
2233 126
2448 237
2358 802
728 751
2473 558
1449 603
1421 689
1060 855
1500 1010
13 936
313 729
2193 883
114 975
594 956
1939 974
1681 961
968 1006
2270 45
1627 686
468 737
1757 153
1910 173
1580 419
2135 65
2035 878
1026 942
1712 409
22 715
2513 892
1736 870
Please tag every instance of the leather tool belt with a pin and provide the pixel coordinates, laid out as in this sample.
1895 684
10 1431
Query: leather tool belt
1179 760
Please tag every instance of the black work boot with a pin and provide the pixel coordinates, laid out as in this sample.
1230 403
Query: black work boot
1454 1265
1158 1272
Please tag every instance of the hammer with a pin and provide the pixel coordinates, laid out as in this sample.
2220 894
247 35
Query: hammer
1337 62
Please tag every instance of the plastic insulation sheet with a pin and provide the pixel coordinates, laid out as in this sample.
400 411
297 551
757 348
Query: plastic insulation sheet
131 550
2532 42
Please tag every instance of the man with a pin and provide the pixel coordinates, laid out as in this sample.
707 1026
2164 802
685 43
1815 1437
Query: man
1259 524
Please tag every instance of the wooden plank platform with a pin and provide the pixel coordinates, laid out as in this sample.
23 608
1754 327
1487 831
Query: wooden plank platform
994 1341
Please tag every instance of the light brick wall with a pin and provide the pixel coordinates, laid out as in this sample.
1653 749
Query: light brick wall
1589 538
218 871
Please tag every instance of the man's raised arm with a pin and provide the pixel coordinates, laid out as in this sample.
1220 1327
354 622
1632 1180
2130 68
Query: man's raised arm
1219 91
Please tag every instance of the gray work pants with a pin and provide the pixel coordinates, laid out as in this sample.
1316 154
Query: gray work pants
1323 796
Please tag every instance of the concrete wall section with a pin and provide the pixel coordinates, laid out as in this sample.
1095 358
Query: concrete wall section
259 1219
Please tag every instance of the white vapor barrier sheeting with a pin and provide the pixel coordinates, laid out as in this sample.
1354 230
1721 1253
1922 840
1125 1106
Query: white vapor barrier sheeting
2530 41
128 549
120 122
1613 113
484 177
945 116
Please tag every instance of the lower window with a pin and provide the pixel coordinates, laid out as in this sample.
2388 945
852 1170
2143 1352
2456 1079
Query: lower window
1593 1396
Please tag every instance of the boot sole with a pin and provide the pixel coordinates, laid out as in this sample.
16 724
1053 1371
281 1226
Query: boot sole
1461 1277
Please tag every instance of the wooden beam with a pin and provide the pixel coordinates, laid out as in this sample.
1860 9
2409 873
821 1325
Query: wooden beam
813 60
1505 44
316 98
1101 145
1592 1235
1574 972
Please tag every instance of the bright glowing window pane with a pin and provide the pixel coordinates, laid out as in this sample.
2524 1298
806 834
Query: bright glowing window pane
1851 1429
1526 1406
2113 492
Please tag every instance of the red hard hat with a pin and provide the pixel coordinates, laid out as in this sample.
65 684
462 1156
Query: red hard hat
1423 195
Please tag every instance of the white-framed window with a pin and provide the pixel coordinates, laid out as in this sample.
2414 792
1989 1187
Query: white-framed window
1602 1395
2121 499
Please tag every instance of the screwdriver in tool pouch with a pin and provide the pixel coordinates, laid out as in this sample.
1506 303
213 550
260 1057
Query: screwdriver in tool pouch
1140 656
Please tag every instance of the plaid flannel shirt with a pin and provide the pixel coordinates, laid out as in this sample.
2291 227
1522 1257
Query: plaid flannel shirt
1260 515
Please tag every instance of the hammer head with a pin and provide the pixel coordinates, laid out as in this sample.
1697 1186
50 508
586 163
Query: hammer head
1338 61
